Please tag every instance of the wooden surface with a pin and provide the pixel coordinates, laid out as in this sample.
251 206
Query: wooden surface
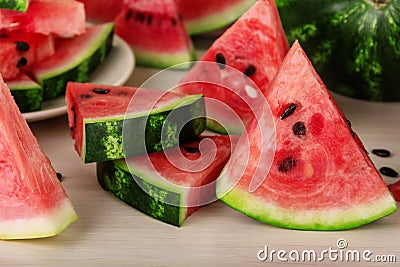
110 233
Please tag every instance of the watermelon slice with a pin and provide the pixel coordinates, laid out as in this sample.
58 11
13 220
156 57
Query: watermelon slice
19 5
27 93
114 122
100 11
64 18
169 185
19 50
33 203
74 60
155 31
321 177
254 45
202 16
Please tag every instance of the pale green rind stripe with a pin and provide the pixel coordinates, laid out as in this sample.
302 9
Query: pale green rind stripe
324 220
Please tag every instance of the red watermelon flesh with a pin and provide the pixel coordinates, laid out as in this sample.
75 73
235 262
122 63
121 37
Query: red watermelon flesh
20 50
63 18
395 190
255 45
155 31
202 16
321 177
100 11
32 201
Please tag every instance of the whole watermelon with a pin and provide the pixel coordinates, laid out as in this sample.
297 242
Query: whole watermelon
354 44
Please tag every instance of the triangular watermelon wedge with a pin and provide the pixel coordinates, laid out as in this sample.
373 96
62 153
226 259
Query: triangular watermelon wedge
321 177
33 203
255 46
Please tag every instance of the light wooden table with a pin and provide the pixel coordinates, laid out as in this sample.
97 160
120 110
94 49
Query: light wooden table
110 233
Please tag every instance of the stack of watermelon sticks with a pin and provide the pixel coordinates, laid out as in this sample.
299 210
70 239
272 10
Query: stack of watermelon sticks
296 163
45 44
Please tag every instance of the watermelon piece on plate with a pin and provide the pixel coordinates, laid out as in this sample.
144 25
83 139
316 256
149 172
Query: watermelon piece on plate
202 16
320 176
254 45
33 202
169 185
64 18
19 5
19 50
156 33
75 59
100 11
114 122
27 93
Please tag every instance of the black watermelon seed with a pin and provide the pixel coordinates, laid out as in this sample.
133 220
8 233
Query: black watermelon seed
287 164
149 19
140 17
22 62
71 128
348 123
59 176
384 153
128 15
190 149
173 21
220 59
85 96
101 91
288 111
388 172
3 35
299 129
250 70
22 46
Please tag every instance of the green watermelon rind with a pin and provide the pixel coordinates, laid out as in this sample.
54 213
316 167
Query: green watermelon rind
27 94
326 220
18 5
115 177
219 19
164 60
79 68
56 221
103 138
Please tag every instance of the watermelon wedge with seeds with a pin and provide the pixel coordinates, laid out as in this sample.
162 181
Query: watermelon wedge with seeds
321 177
156 33
33 203
169 185
255 46
114 122
64 18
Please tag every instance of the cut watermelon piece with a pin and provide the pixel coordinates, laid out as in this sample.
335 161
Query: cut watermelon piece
114 122
254 45
169 185
33 203
74 60
155 31
100 11
202 16
19 50
64 18
321 177
395 190
19 5
28 94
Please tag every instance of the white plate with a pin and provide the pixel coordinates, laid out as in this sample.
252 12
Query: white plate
115 70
